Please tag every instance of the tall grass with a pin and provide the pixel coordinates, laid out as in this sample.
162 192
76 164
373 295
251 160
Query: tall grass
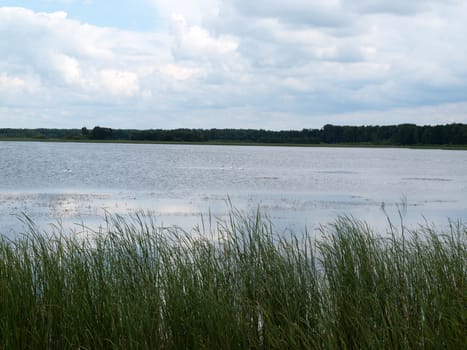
134 285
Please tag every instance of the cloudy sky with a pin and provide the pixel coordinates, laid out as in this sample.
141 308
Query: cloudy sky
270 64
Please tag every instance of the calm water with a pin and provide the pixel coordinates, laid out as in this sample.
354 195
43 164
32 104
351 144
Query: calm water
297 187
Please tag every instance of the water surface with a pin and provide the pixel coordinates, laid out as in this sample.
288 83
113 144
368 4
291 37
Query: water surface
296 186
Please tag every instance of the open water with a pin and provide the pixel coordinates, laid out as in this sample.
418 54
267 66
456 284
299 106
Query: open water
297 187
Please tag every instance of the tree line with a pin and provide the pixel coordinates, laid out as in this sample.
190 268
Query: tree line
402 134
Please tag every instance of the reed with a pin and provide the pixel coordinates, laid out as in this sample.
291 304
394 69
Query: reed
134 285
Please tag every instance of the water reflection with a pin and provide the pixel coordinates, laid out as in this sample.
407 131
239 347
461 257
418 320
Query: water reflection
296 187
286 212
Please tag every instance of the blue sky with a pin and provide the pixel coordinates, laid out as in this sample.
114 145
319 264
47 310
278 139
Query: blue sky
138 15
237 63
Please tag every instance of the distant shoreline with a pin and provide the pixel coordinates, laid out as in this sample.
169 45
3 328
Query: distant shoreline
448 136
239 143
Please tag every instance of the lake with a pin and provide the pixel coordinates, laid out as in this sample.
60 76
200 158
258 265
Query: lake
297 187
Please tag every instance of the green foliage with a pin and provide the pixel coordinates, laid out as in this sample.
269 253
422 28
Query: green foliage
40 133
134 285
84 132
99 133
403 134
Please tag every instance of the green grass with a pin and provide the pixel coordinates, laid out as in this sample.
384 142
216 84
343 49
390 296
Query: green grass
134 285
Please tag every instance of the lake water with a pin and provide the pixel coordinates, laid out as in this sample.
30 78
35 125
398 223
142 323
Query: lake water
295 186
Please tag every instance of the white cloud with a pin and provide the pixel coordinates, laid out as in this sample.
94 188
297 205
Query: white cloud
423 115
118 82
239 63
397 7
197 43
63 53
179 72
8 83
67 67
18 90
320 13
194 11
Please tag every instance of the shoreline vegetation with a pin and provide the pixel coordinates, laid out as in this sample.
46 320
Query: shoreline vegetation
236 285
449 136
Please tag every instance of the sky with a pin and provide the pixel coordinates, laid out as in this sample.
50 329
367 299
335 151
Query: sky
269 64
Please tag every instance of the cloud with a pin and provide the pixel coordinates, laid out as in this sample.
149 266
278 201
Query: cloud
318 13
196 42
8 83
179 72
217 63
396 7
195 12
64 53
423 115
67 67
119 83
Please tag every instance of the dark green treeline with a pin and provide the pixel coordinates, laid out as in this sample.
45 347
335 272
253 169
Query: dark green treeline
403 134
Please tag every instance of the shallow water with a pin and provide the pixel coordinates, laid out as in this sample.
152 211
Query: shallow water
296 186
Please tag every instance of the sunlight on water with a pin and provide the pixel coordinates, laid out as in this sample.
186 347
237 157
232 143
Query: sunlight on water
296 187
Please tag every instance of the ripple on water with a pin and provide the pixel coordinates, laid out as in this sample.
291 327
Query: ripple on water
436 179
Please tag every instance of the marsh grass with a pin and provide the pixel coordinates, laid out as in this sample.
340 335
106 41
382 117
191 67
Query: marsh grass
134 285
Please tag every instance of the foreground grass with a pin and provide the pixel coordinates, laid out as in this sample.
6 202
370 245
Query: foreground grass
138 286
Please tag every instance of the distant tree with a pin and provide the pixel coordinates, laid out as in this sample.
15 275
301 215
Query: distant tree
332 133
406 134
403 134
99 133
